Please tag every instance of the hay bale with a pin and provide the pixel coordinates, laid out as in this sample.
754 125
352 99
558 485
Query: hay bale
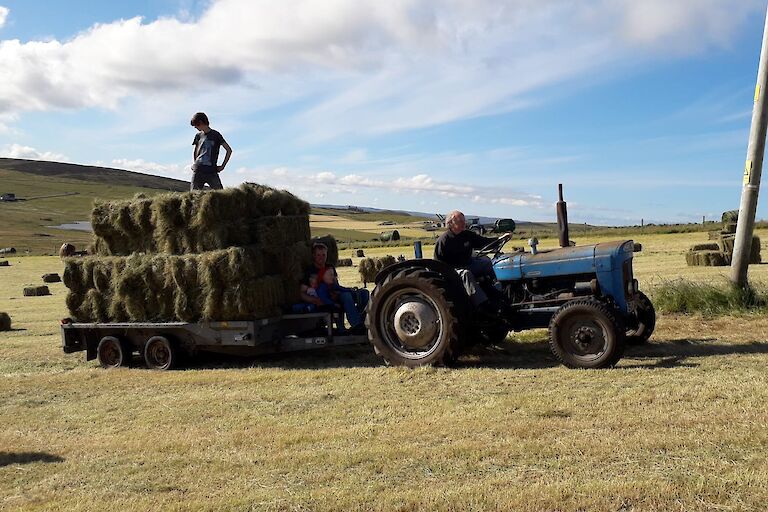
729 228
36 291
714 235
8 250
344 262
359 253
5 263
5 322
388 236
194 222
726 243
333 248
51 278
238 283
706 259
731 216
705 247
66 250
370 267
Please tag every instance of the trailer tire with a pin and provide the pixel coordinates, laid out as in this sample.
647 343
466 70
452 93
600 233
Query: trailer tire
112 353
643 321
586 333
160 353
411 320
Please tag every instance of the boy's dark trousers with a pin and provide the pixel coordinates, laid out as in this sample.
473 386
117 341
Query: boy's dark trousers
203 174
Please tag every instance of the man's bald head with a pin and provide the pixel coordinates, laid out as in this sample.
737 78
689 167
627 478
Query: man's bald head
456 222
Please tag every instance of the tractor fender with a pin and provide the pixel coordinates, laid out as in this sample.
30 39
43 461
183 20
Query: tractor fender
452 279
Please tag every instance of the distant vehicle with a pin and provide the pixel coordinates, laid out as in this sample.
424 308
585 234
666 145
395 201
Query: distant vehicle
8 197
387 223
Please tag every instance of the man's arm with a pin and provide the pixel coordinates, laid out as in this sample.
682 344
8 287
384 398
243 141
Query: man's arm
228 149
309 298
479 241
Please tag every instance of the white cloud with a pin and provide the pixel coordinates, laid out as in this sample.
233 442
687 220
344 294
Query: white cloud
139 165
3 15
30 153
365 66
307 183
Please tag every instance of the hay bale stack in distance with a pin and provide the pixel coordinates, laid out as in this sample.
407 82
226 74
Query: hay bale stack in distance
51 278
369 267
333 247
5 263
195 222
5 321
706 259
713 246
731 216
36 291
728 228
360 253
344 262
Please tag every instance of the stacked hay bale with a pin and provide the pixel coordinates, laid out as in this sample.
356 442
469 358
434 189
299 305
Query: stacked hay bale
232 254
369 267
720 252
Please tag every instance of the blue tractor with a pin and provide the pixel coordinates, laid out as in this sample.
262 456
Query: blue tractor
420 314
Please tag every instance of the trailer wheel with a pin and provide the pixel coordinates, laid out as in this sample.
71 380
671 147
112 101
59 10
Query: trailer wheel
411 321
160 353
112 353
642 321
586 333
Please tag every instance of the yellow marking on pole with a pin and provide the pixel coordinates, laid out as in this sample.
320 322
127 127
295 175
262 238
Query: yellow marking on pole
747 172
757 92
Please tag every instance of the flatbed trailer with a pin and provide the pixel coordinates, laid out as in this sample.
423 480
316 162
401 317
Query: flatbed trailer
164 344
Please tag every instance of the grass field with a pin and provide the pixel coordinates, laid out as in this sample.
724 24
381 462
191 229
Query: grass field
679 425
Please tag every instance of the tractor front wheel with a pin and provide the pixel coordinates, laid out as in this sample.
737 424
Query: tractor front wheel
586 333
642 320
411 321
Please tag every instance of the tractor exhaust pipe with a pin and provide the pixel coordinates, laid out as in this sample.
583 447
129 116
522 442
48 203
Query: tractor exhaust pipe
562 219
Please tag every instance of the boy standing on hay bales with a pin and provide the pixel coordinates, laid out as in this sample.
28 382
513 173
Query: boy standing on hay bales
352 301
205 157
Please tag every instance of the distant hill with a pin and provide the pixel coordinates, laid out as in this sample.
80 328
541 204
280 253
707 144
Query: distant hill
93 174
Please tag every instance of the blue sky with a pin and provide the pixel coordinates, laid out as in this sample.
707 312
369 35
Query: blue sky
641 109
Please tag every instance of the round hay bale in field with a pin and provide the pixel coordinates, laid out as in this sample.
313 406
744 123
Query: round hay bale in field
330 243
731 216
706 259
8 250
390 236
5 322
66 250
51 278
5 263
359 253
713 246
344 262
729 228
36 291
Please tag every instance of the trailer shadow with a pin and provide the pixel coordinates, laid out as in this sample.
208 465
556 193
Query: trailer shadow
351 356
8 458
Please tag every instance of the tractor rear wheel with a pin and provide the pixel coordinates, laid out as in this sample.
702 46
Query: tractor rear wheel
642 321
411 320
586 333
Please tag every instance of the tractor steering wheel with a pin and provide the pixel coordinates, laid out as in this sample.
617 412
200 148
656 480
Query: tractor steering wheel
495 246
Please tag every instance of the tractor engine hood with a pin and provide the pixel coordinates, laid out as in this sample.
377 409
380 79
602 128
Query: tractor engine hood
586 259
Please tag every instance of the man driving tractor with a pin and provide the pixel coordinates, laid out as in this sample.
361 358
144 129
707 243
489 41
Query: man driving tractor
455 246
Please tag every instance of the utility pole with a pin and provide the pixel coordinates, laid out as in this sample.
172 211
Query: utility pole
752 171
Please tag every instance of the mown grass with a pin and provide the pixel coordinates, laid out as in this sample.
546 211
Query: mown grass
723 298
678 425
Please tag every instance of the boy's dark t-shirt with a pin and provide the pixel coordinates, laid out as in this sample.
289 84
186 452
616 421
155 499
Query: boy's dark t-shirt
207 148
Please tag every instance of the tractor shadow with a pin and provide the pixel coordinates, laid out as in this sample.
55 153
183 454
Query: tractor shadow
350 356
9 458
676 353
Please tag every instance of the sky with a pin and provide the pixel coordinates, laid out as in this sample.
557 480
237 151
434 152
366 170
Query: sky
641 109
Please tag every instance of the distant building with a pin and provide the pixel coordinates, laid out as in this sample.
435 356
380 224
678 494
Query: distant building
8 197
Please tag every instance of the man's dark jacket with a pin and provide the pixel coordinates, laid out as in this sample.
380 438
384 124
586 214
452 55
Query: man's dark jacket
456 250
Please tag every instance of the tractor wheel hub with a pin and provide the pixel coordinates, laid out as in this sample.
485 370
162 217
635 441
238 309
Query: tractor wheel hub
416 324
